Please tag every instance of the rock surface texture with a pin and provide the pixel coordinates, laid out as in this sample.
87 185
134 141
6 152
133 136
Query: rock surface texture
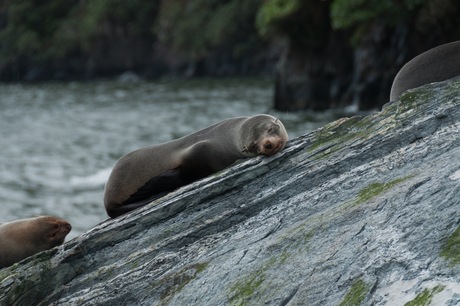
364 211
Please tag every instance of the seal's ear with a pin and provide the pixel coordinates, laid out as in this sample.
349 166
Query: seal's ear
274 127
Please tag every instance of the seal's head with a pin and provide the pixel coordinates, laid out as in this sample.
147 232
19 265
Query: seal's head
267 135
23 238
50 231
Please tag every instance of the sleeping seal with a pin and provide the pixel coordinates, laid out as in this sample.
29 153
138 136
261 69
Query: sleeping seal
149 173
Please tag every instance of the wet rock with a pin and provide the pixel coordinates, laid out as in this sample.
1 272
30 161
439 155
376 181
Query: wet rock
362 211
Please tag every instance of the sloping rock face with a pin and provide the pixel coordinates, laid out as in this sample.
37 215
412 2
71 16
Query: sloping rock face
364 211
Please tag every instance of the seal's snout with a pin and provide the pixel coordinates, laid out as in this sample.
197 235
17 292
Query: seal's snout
271 146
61 229
66 227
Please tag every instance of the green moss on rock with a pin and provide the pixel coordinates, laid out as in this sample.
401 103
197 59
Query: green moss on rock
450 250
339 132
424 298
335 140
375 189
356 294
247 287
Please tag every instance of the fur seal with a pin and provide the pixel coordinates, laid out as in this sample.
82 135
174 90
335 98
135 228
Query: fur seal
149 173
22 238
435 65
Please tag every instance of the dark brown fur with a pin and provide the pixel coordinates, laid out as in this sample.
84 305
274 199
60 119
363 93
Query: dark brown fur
435 65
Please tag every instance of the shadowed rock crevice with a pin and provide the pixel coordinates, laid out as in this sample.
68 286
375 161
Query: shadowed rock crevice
363 210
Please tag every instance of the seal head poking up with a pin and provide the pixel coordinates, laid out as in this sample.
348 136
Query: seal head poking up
435 65
22 238
149 173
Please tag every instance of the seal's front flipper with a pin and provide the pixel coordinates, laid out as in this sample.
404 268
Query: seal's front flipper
155 188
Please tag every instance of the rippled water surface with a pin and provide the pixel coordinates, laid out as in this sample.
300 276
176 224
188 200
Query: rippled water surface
59 141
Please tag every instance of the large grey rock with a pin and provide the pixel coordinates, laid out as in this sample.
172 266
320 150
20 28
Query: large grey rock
362 211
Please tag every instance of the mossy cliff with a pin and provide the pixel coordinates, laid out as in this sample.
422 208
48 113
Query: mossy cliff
364 211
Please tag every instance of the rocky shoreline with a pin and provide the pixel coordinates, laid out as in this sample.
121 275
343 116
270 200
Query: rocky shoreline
363 211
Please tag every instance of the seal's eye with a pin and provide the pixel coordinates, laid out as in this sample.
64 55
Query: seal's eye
268 146
273 129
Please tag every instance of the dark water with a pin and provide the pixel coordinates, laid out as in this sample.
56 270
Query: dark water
59 141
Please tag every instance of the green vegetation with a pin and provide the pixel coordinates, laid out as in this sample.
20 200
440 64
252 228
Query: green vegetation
248 286
424 298
338 134
285 17
27 32
48 30
346 13
335 140
245 288
273 11
256 283
359 14
356 294
54 31
374 189
450 250
195 28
